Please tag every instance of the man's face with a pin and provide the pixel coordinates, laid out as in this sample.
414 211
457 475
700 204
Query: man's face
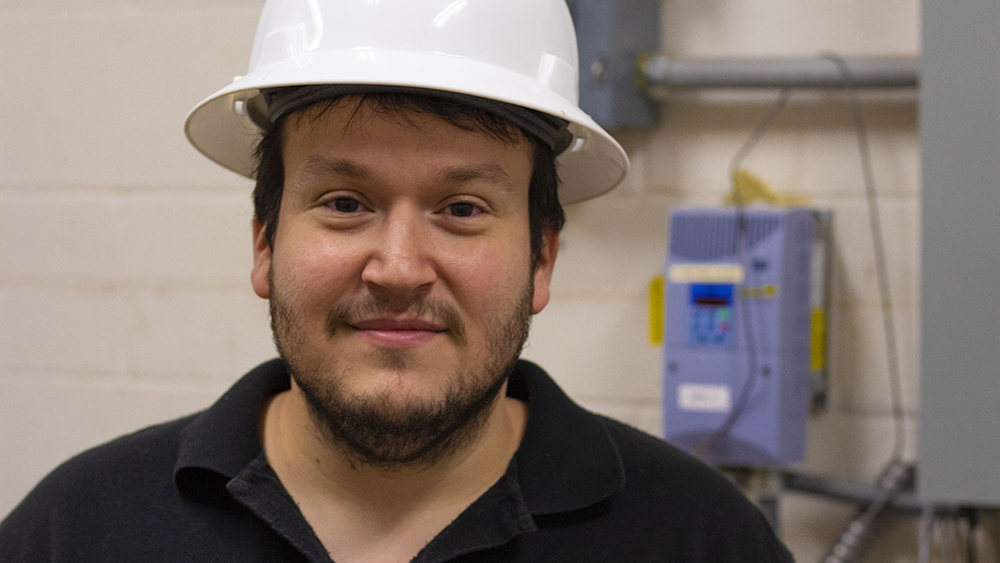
400 276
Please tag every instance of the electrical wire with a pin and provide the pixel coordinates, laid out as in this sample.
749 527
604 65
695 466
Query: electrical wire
946 530
926 530
971 551
875 225
860 531
739 247
864 149
895 461
762 126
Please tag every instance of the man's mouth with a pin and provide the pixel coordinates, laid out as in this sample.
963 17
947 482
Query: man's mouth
397 333
385 324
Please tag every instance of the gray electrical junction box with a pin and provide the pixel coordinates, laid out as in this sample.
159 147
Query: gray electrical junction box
611 35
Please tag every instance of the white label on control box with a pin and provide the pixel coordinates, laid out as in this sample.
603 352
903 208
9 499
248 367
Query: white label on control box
720 273
704 398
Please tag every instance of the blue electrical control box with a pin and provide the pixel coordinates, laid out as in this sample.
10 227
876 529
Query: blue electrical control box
739 333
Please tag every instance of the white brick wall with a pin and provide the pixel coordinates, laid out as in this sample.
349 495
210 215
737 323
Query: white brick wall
125 256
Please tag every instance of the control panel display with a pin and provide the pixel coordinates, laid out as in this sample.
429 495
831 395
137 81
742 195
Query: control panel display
711 316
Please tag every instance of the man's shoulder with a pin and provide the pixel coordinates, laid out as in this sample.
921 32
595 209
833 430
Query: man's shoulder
660 468
92 489
691 508
137 455
150 455
583 443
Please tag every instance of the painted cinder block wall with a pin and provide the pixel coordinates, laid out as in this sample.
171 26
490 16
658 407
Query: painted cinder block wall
125 255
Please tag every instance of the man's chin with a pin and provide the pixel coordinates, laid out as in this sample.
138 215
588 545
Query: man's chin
396 404
402 422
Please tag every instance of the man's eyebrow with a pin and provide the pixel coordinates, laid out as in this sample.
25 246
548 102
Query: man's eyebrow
490 172
317 166
321 167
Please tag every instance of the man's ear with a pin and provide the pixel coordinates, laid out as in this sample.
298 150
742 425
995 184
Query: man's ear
261 261
543 270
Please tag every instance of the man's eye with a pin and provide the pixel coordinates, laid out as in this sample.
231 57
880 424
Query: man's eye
463 209
346 204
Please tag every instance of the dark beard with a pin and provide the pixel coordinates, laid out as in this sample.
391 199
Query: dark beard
367 427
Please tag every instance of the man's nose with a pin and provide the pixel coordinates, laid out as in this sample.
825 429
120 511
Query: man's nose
401 261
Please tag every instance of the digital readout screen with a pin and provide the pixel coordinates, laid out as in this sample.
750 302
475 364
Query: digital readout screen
712 295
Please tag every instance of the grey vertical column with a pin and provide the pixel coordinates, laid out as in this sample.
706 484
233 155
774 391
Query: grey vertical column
960 135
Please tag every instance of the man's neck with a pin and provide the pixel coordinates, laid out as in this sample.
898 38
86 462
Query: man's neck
365 513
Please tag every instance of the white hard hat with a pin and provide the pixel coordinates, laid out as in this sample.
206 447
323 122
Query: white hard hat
522 52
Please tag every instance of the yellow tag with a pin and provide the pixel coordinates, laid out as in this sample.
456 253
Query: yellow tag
656 311
817 348
761 292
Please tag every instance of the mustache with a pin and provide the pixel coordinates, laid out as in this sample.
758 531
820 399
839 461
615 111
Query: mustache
373 306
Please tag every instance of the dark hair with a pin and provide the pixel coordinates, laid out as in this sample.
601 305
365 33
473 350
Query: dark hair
544 210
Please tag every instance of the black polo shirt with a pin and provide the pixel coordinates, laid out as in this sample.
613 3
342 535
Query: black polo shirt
580 488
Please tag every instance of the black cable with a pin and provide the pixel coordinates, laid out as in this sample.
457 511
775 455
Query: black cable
860 531
739 248
861 130
762 126
971 549
947 530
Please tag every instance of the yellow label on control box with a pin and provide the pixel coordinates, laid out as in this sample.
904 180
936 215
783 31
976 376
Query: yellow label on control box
761 292
817 347
656 311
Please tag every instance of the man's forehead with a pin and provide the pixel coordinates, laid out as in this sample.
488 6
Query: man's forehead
348 137
355 112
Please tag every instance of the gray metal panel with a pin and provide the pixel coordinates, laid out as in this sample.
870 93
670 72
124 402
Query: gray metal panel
610 35
960 135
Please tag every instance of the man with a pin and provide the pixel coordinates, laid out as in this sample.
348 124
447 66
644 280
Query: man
406 229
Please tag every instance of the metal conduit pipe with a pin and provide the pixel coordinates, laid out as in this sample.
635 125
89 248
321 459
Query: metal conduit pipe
849 491
659 75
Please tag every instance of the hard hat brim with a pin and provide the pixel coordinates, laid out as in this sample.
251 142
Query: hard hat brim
221 129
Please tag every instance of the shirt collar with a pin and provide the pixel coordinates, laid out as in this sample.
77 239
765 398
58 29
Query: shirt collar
566 460
225 438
